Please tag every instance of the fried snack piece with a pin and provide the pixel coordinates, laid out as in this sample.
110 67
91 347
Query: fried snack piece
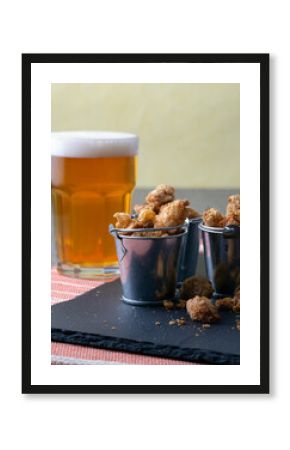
172 214
201 308
196 285
138 208
230 303
222 223
123 220
213 218
191 213
163 193
236 306
237 293
232 219
225 303
233 206
146 218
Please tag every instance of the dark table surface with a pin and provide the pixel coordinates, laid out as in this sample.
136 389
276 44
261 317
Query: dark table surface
200 199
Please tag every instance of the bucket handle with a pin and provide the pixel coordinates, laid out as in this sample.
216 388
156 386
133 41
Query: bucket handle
114 232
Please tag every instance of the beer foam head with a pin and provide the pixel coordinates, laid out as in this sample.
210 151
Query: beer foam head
93 144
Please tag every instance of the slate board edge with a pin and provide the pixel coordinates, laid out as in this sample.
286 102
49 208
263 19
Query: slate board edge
143 348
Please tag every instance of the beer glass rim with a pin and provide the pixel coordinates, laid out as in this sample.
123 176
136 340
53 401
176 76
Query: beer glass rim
85 144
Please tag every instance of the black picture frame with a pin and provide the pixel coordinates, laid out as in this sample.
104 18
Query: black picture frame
263 61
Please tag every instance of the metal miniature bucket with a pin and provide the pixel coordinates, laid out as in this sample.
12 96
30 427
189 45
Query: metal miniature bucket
148 265
222 258
189 250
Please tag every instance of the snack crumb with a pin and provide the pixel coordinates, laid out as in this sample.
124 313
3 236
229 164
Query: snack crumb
168 304
181 304
113 328
238 325
157 323
181 321
206 325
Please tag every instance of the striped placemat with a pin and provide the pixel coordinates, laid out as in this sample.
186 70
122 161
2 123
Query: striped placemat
65 289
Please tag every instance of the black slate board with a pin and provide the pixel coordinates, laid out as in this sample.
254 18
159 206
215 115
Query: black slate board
100 319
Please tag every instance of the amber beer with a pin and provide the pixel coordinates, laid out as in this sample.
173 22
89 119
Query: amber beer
93 175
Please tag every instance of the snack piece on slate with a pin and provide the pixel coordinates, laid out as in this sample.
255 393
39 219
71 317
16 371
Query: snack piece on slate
201 309
196 285
229 302
225 303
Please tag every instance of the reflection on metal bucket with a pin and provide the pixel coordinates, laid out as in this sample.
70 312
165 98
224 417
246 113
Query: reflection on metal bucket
148 265
222 258
189 250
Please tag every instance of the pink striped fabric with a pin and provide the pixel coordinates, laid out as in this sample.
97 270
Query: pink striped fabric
66 288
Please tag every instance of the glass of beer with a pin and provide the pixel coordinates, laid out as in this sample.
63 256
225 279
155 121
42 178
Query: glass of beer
93 175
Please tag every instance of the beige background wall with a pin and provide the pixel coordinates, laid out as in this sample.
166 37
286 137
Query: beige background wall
189 133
